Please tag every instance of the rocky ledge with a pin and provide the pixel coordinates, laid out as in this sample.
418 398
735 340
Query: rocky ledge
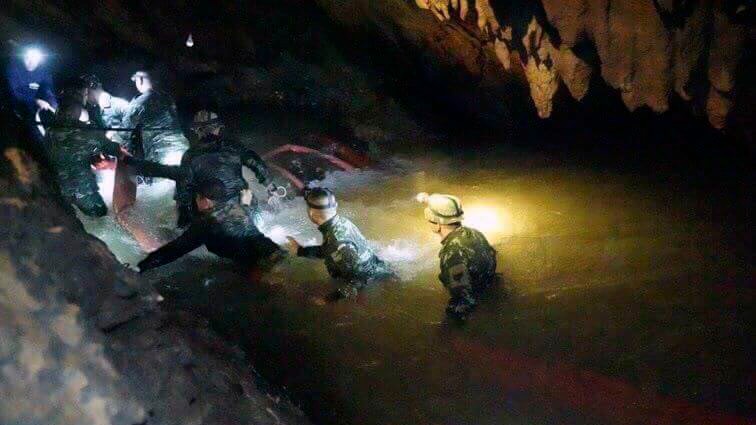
83 340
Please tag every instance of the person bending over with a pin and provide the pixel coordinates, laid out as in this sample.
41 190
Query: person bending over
225 226
74 147
211 155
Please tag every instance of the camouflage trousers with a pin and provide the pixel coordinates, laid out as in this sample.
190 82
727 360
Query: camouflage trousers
80 188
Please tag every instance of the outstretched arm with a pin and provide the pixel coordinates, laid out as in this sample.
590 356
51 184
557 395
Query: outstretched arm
172 251
311 251
252 160
155 169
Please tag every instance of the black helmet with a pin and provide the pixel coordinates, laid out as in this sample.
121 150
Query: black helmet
90 81
320 198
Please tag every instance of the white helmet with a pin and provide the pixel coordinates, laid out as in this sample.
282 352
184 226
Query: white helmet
442 209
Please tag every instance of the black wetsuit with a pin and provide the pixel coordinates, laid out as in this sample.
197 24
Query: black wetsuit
213 156
228 231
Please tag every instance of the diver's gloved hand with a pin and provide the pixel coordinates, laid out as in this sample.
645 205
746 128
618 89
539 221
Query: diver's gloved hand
275 195
277 191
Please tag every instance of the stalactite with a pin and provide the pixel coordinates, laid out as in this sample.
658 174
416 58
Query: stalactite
647 50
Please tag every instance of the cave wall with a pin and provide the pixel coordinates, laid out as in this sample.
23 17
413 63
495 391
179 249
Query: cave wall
649 51
84 340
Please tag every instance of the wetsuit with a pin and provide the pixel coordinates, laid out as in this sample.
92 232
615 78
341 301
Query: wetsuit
228 231
213 156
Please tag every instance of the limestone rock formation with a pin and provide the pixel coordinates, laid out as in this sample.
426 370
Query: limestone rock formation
646 49
83 339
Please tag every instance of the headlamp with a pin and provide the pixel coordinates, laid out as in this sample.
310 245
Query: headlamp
34 54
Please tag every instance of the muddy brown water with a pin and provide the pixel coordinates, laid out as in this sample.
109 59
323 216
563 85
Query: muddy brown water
623 302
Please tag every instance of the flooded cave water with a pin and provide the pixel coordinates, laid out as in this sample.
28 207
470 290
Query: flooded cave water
618 302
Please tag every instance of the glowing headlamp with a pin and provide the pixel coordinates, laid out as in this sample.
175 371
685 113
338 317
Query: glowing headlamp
33 54
104 100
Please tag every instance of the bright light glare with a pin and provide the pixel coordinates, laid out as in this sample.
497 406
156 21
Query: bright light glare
189 41
173 157
34 55
104 100
489 220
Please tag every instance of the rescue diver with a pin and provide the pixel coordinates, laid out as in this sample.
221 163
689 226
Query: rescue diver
468 262
225 226
347 254
73 148
32 91
155 114
211 155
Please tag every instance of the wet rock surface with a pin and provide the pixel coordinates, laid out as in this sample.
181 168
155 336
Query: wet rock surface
648 51
83 340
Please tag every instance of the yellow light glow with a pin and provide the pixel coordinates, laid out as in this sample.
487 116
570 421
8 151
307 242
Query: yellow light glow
492 221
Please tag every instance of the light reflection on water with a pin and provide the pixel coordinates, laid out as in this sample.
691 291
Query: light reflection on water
602 273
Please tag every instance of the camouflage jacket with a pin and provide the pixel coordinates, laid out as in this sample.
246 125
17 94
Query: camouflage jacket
346 252
228 231
72 151
468 262
162 134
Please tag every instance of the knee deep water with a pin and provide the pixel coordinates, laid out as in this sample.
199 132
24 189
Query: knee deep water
610 282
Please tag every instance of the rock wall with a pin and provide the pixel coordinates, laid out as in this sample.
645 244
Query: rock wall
83 340
648 50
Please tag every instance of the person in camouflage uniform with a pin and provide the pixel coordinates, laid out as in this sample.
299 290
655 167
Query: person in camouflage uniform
73 149
468 262
211 155
105 111
347 254
226 227
155 113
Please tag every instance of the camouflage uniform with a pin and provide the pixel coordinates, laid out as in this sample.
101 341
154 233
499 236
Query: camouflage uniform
153 110
468 268
347 255
228 231
114 116
212 156
72 151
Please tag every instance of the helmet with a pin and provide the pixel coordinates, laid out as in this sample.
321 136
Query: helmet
205 117
140 74
205 122
442 209
320 198
90 81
